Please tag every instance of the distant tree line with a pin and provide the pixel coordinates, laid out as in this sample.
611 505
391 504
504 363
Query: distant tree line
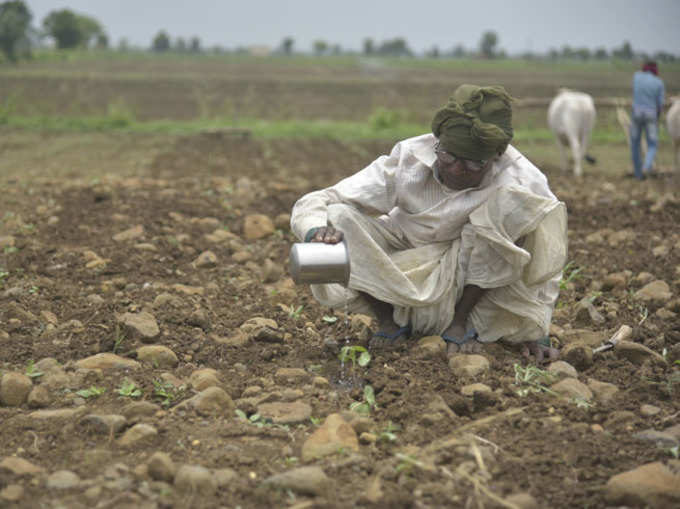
162 42
70 30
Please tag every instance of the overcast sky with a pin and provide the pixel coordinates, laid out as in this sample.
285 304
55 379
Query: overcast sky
522 25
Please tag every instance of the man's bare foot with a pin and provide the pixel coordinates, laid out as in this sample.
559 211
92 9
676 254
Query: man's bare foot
471 346
459 341
541 352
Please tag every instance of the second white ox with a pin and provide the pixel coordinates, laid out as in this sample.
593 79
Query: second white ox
673 125
571 117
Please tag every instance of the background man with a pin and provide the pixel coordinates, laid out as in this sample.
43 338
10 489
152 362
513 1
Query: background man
648 100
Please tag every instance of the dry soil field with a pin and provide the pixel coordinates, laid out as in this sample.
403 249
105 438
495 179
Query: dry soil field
155 353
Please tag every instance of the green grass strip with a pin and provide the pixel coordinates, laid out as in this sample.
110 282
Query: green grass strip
344 131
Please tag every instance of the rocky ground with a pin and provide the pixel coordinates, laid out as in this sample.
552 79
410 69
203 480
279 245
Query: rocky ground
154 352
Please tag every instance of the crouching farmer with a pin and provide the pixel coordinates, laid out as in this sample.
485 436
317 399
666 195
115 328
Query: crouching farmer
455 233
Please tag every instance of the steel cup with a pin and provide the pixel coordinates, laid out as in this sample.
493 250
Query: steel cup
319 263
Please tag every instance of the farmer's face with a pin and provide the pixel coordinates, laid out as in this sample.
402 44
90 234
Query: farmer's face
458 173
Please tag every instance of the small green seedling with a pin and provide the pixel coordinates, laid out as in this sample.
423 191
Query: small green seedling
330 319
355 354
674 451
92 392
258 421
254 419
316 421
167 392
569 274
32 371
406 463
532 379
119 337
643 313
295 313
368 403
387 434
129 389
582 403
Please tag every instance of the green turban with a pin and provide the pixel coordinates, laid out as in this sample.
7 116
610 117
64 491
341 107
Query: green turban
476 123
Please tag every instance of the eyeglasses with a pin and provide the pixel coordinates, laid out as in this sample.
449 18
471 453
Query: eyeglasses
448 159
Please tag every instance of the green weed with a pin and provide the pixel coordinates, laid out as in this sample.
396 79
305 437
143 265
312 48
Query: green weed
387 434
569 274
3 275
330 319
129 389
582 403
31 370
294 312
357 355
406 463
367 404
643 313
167 392
92 392
119 337
532 379
258 421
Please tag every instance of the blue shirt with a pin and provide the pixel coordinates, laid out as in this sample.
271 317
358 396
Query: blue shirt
648 94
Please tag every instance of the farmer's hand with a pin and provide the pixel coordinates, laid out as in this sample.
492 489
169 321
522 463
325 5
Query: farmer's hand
327 235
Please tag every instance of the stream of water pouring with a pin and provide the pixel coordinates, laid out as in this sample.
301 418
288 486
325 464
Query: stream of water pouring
343 379
347 325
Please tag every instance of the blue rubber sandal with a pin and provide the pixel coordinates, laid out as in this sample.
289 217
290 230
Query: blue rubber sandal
403 330
544 341
470 334
381 339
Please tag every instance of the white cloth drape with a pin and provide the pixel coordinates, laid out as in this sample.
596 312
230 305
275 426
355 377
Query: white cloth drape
415 244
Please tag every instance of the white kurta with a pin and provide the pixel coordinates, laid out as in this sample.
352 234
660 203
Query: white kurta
415 243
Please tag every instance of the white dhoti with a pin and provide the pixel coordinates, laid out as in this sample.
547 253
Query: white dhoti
514 246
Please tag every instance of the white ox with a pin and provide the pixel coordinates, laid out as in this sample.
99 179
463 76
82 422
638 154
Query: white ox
571 117
673 125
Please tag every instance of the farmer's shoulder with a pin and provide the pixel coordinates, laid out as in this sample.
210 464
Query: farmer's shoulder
416 150
514 168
